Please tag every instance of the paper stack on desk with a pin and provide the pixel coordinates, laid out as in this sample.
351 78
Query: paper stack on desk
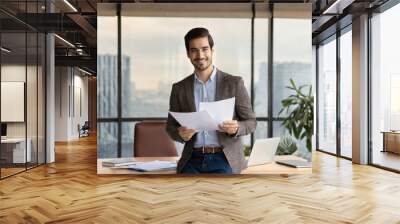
121 162
153 166
210 115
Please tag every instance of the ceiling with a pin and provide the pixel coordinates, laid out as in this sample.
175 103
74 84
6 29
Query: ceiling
75 21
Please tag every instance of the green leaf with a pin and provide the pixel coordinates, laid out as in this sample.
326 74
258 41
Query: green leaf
299 108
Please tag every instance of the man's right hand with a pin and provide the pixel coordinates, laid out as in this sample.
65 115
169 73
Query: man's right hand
186 133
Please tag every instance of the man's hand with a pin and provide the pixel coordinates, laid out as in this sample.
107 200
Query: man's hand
229 127
186 133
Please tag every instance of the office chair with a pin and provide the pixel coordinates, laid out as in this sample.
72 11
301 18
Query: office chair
84 130
151 140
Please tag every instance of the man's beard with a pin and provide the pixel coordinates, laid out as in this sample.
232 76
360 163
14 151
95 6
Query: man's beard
203 65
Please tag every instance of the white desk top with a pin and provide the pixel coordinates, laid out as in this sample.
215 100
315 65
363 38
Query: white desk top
270 168
13 140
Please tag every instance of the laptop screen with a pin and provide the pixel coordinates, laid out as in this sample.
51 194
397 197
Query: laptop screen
3 129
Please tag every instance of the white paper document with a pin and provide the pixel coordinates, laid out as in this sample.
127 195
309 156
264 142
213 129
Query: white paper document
209 116
153 166
199 121
220 111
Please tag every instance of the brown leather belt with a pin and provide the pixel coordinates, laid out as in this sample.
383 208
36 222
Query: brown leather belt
208 149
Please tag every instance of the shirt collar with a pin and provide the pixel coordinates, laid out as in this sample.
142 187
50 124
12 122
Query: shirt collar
212 77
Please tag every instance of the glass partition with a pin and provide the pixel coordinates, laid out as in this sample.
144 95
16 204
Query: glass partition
327 96
15 149
22 91
107 66
292 61
346 93
260 66
151 65
385 89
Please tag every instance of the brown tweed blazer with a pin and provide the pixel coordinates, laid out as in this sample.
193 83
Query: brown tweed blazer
182 100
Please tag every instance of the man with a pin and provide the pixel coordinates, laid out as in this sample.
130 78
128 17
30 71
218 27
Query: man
209 151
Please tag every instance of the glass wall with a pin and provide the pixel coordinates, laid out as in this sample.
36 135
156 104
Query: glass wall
327 95
107 68
13 76
346 93
385 89
149 66
107 83
292 61
261 36
261 72
22 92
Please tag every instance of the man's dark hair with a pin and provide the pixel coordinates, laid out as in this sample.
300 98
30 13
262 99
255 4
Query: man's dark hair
197 33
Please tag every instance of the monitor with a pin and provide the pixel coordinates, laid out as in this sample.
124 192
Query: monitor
3 129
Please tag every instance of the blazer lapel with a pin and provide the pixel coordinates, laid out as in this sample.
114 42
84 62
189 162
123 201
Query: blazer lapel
219 85
219 96
189 86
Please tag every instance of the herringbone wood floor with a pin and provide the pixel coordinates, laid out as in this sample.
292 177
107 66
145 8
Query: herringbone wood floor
69 191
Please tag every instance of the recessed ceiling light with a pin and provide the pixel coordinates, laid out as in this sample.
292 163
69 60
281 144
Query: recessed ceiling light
64 40
84 71
70 5
337 7
5 50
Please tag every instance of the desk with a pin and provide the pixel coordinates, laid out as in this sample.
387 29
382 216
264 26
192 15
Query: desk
391 141
270 168
13 150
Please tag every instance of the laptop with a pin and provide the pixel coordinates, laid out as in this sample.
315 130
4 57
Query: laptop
263 151
295 163
3 131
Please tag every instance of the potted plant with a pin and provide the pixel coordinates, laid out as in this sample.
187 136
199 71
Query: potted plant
299 111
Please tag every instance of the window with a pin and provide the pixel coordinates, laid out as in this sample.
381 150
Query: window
151 65
292 61
261 68
385 84
346 93
153 57
107 66
327 96
22 70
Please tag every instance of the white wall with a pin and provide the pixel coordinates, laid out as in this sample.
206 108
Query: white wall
71 87
15 73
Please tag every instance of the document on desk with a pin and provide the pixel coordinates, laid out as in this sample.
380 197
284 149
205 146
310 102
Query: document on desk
199 121
153 166
220 111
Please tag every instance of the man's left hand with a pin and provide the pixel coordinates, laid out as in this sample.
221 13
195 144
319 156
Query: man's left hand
229 127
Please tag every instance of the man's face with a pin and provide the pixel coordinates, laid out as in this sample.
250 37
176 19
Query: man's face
200 53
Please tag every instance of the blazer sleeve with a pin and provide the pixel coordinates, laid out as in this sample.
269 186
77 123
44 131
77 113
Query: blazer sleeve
172 124
244 112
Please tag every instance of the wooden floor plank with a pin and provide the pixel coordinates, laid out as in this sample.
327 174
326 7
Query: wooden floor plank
70 191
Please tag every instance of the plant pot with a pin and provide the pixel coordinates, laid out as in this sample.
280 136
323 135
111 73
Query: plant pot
302 151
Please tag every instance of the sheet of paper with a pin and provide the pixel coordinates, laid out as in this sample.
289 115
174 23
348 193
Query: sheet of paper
220 111
153 166
199 121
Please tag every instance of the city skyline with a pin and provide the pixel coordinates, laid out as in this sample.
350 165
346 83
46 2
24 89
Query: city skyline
171 63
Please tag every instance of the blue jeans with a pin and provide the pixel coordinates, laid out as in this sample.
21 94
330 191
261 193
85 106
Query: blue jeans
207 163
